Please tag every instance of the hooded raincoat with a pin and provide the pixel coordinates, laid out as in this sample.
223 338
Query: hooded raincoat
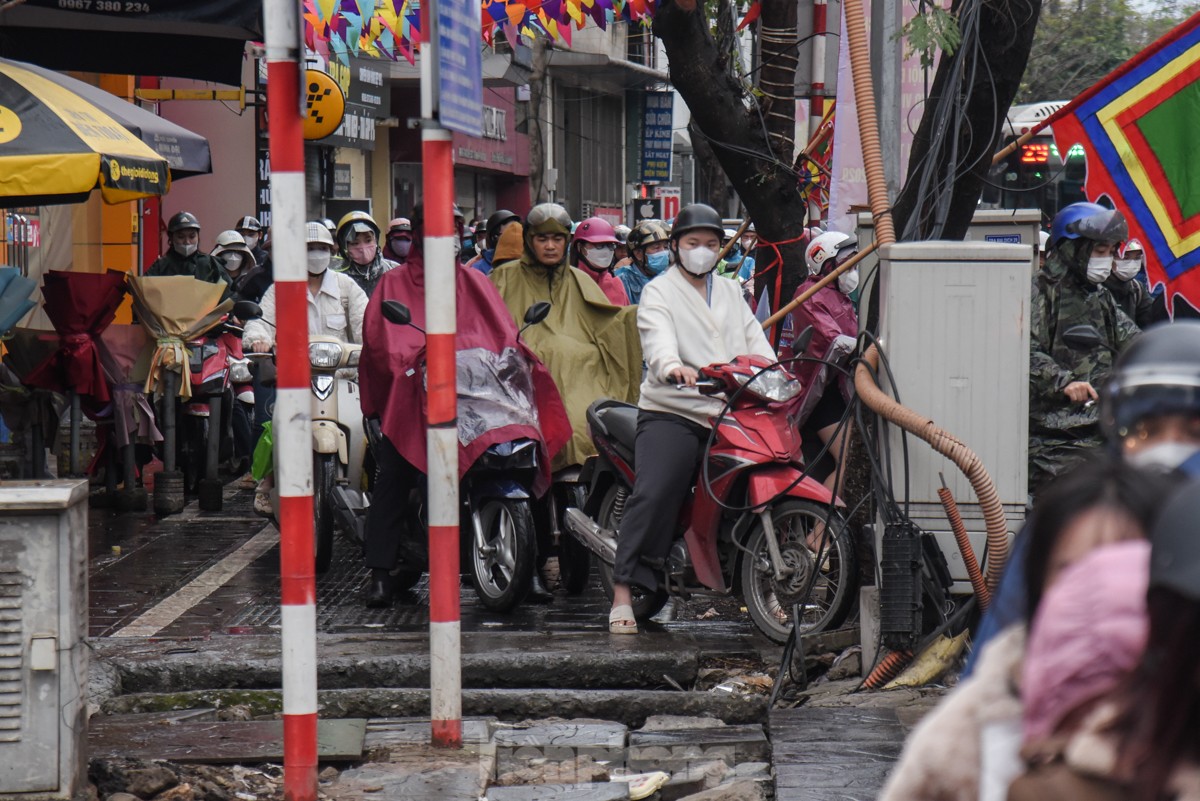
590 346
504 392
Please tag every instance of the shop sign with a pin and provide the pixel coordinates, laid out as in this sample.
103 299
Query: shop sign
657 125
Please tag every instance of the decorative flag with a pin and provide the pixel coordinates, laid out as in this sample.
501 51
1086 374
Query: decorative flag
1137 129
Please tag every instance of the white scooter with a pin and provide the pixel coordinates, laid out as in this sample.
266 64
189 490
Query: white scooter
338 440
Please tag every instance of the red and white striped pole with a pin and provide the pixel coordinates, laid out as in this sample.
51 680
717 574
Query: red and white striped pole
445 644
816 95
291 427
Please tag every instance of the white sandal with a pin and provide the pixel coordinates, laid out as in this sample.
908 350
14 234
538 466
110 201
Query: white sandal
621 620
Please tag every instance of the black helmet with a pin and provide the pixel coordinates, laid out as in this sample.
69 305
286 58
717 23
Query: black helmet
248 223
696 217
183 221
1158 374
1175 551
547 218
496 222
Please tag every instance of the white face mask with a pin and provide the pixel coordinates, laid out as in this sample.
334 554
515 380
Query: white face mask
1165 455
698 261
600 257
1099 268
318 261
1126 269
251 240
233 261
185 250
848 281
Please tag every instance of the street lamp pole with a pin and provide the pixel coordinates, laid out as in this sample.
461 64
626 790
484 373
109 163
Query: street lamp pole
291 428
445 634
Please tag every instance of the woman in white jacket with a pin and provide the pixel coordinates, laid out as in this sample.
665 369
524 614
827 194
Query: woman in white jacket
688 318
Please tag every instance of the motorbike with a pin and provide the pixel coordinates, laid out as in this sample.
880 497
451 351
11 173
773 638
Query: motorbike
339 442
754 524
205 436
496 500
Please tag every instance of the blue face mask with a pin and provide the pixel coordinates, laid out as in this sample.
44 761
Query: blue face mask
657 262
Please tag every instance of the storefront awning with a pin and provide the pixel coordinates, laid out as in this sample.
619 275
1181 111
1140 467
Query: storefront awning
591 69
200 39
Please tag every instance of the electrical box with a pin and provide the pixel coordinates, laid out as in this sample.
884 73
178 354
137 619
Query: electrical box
954 326
43 627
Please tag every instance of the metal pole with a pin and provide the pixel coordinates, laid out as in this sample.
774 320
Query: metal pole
816 95
293 413
445 647
76 414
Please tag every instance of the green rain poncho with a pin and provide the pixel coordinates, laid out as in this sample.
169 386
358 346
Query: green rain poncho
590 346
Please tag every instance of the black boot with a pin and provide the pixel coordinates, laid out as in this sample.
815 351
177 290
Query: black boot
538 593
381 590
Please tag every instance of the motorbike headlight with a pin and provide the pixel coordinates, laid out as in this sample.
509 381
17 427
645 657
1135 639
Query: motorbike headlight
239 371
324 354
352 359
774 385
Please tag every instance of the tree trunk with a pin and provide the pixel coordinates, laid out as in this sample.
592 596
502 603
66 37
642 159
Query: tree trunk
952 148
745 147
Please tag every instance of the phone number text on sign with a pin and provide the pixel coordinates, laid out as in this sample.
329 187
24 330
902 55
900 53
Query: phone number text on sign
106 6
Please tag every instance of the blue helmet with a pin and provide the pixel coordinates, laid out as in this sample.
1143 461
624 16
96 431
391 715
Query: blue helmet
1104 225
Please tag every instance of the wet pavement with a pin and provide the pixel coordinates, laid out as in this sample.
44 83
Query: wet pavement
136 561
184 614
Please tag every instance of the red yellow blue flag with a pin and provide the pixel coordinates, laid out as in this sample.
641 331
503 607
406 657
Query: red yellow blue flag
1137 128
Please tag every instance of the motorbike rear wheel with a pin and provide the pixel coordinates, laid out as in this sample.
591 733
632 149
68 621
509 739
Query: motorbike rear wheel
325 470
645 604
502 575
770 601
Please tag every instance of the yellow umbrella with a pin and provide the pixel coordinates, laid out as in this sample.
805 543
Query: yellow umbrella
56 146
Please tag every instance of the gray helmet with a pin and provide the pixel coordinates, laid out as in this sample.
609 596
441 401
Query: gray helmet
547 218
182 222
1158 374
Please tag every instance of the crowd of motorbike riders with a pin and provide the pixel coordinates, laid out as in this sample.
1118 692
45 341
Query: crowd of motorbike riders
1082 682
634 314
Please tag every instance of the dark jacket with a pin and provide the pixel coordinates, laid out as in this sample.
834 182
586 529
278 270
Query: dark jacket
198 265
1134 299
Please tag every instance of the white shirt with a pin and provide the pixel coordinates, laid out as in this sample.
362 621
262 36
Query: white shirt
328 313
679 329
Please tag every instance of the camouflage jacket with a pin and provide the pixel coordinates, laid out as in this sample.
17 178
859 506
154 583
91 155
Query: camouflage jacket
1133 298
1063 297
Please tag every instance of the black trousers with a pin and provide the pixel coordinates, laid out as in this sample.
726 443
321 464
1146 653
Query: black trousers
389 534
666 453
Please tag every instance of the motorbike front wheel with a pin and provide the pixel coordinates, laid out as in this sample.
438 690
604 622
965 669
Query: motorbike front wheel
502 570
325 470
812 539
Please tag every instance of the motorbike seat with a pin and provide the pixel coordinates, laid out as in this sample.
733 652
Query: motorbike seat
618 421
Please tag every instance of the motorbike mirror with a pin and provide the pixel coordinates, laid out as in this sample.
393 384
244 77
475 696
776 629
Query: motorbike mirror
537 312
1083 337
800 344
396 312
247 310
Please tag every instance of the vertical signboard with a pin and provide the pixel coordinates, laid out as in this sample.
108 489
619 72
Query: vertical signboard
460 68
657 122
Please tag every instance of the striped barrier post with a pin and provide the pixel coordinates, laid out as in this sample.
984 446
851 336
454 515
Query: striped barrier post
442 433
293 452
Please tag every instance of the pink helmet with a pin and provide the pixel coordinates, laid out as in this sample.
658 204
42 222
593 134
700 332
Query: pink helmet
595 230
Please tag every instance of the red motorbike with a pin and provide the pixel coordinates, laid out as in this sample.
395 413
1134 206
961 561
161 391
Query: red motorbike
754 524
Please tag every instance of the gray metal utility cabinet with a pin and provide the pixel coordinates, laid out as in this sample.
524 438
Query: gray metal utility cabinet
43 626
954 324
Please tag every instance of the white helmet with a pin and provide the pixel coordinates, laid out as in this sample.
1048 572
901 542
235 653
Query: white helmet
1043 241
824 247
317 232
232 241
